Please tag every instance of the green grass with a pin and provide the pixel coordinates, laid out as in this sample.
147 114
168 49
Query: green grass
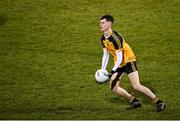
50 50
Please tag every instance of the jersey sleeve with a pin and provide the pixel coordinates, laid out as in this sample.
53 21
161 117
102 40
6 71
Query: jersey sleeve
117 41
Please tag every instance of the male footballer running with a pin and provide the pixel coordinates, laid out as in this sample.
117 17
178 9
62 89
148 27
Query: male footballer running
124 62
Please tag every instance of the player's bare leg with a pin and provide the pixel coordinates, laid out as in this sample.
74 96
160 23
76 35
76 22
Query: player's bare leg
114 85
134 78
118 90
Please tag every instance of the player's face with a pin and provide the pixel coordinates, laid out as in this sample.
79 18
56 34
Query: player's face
104 25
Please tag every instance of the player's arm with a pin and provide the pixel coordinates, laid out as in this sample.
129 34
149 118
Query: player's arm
105 58
118 45
119 56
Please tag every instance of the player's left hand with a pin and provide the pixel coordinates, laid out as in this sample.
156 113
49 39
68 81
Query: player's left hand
111 73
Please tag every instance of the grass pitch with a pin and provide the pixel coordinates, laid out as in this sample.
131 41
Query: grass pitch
50 50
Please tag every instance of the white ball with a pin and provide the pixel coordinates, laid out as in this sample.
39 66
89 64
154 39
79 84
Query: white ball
101 75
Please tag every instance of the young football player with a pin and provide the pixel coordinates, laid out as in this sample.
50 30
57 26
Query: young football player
124 62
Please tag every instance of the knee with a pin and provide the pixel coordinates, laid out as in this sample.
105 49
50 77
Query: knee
114 88
114 82
137 87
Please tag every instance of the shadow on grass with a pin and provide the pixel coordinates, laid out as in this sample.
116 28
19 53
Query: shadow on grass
3 19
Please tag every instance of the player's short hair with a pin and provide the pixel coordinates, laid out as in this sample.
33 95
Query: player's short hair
108 18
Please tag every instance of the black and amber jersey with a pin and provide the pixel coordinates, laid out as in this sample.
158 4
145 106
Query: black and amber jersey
116 43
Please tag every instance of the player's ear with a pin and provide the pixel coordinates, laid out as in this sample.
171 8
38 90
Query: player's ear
109 23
